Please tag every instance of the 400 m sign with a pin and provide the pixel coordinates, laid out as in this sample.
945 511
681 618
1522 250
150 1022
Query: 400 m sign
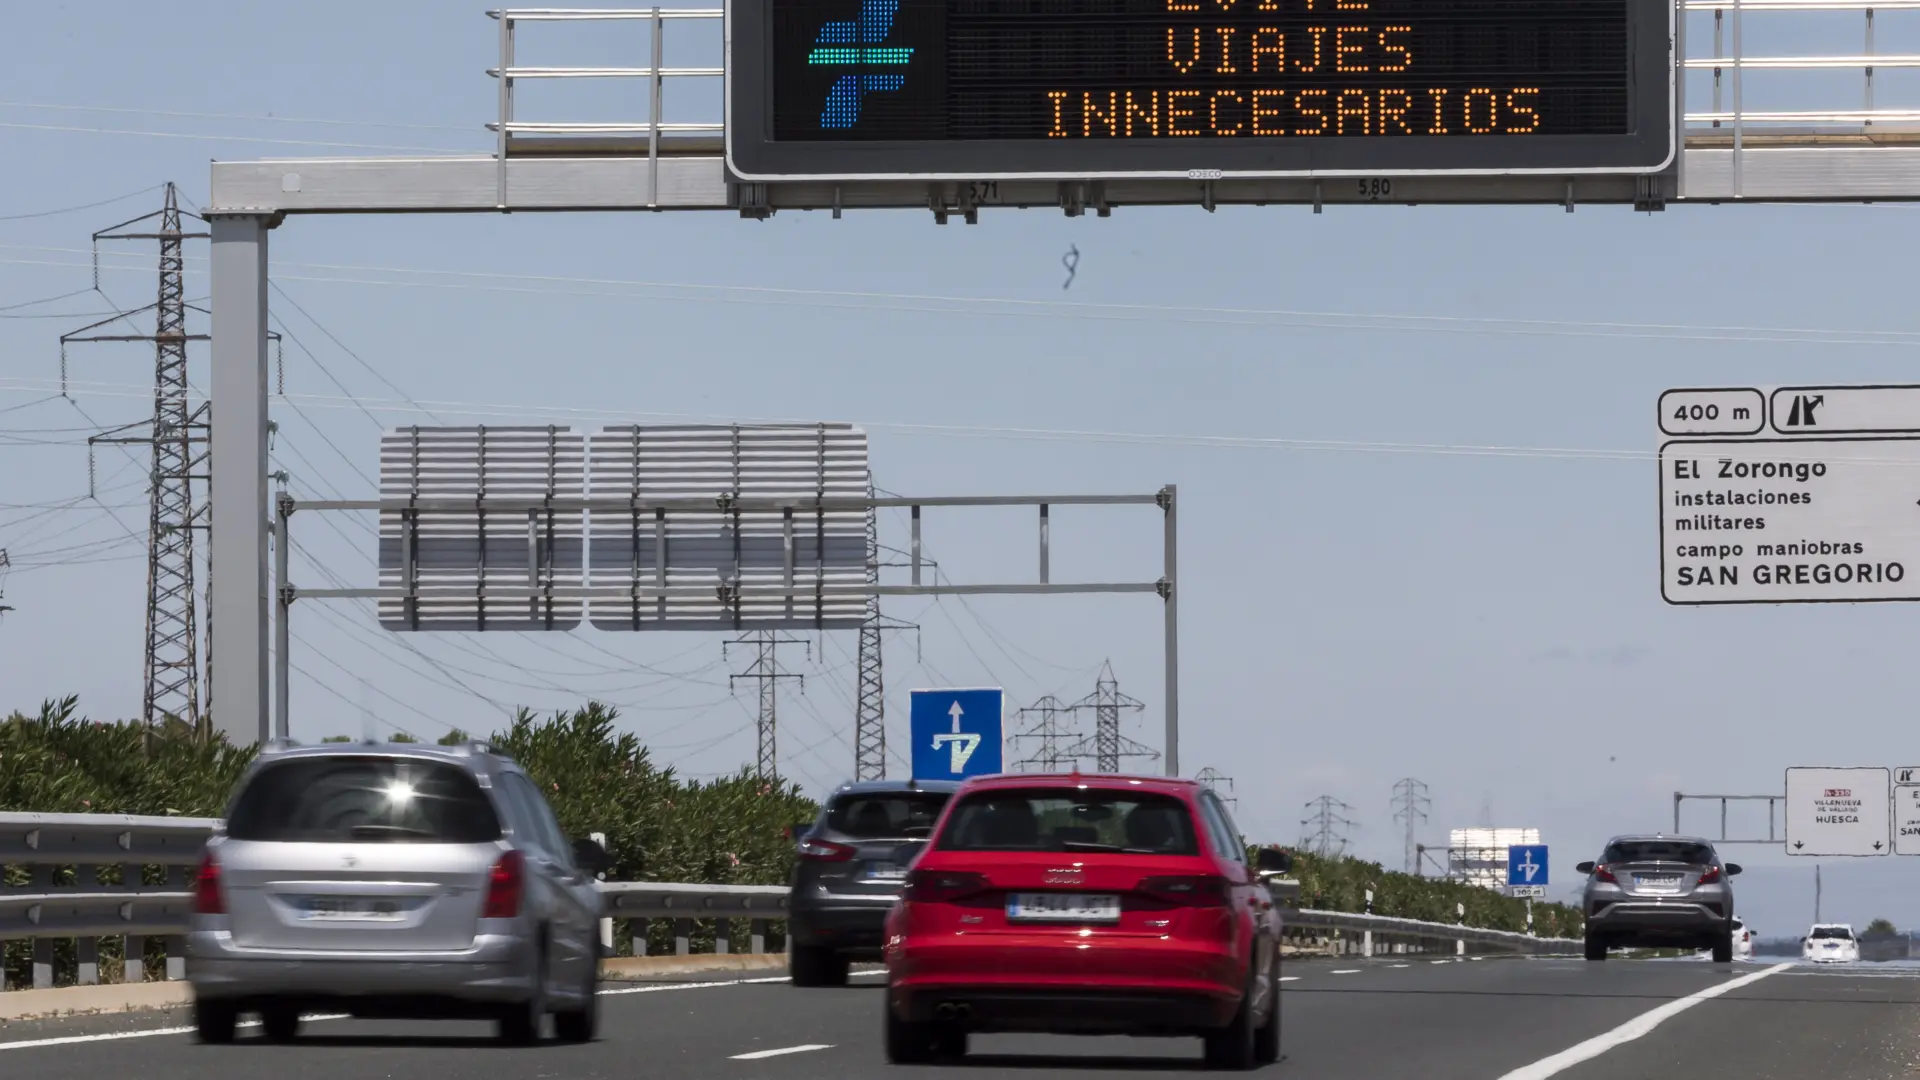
1785 518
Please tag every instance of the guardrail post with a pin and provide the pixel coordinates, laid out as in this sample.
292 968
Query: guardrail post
133 963
722 936
757 935
177 943
87 954
682 930
638 929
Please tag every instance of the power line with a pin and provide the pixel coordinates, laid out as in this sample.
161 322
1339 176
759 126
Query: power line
1410 806
765 670
1325 827
1052 732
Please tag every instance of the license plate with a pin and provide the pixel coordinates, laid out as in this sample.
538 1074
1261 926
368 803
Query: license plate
350 909
1667 881
886 871
1063 907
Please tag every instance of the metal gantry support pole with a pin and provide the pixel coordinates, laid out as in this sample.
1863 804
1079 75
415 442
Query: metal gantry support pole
1171 596
283 610
238 464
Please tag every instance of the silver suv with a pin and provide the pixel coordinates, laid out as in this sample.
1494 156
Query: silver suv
399 881
1659 890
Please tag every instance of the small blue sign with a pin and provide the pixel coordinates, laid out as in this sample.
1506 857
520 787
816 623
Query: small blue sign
1527 864
956 733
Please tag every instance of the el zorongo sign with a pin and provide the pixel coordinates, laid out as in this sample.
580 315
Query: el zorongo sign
986 89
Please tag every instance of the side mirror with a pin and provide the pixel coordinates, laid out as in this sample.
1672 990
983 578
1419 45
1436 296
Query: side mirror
1583 868
904 855
1733 868
591 857
1272 861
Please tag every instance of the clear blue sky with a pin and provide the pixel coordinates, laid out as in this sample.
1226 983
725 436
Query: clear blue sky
1489 622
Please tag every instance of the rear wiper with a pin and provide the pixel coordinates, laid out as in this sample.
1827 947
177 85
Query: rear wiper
376 832
1088 845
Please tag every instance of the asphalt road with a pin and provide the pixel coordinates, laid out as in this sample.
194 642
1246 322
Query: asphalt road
1494 1019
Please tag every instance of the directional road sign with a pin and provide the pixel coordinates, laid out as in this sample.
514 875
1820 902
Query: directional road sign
1527 864
1795 494
1906 810
1838 812
956 733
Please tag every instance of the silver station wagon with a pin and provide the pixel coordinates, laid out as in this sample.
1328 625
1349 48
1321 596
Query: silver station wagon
398 881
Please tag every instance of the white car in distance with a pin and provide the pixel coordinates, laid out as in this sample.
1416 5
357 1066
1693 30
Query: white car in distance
1830 943
1742 939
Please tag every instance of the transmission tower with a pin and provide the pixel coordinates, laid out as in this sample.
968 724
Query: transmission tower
870 706
765 669
1107 746
3 580
177 434
1323 827
1051 730
1410 804
1212 779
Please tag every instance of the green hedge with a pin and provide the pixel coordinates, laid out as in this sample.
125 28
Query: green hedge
1340 884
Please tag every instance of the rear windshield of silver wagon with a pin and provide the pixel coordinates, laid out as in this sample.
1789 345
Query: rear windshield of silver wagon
363 800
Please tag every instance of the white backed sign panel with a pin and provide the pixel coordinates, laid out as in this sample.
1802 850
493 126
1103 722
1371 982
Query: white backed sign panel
1839 812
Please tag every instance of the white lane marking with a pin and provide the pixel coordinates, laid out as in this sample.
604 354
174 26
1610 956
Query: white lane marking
758 1054
1399 966
146 1033
1348 971
1439 961
1632 1029
1289 978
115 1036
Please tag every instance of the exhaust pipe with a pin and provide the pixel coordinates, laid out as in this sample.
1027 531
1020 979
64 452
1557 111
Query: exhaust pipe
946 1010
963 1011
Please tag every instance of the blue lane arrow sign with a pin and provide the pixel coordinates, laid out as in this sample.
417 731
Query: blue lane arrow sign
956 733
1527 864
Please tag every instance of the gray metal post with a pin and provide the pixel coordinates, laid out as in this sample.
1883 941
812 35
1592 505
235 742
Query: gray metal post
282 611
239 475
1173 638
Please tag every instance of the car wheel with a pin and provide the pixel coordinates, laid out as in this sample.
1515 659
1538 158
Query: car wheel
950 1042
521 1024
1266 1038
280 1022
1231 1048
1723 948
214 1021
907 1042
580 1025
813 965
1596 946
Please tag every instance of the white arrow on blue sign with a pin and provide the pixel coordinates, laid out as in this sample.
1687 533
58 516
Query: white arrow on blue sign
1527 864
956 733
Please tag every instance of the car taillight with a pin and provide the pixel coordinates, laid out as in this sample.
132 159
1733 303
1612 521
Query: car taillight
1712 876
207 897
934 886
1193 891
824 851
505 886
1601 873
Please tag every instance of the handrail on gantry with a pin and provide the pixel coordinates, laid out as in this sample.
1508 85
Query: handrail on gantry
656 72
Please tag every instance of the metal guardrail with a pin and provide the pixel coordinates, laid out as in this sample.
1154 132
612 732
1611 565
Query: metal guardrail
168 848
1386 926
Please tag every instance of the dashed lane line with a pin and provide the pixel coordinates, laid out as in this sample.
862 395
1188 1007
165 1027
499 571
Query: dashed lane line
758 1054
1632 1029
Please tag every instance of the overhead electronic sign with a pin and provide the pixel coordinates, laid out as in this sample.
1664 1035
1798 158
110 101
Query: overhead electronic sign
989 89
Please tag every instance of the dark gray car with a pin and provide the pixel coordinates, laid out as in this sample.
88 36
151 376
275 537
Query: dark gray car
1657 890
848 875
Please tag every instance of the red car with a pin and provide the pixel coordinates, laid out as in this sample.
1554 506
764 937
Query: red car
1088 905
